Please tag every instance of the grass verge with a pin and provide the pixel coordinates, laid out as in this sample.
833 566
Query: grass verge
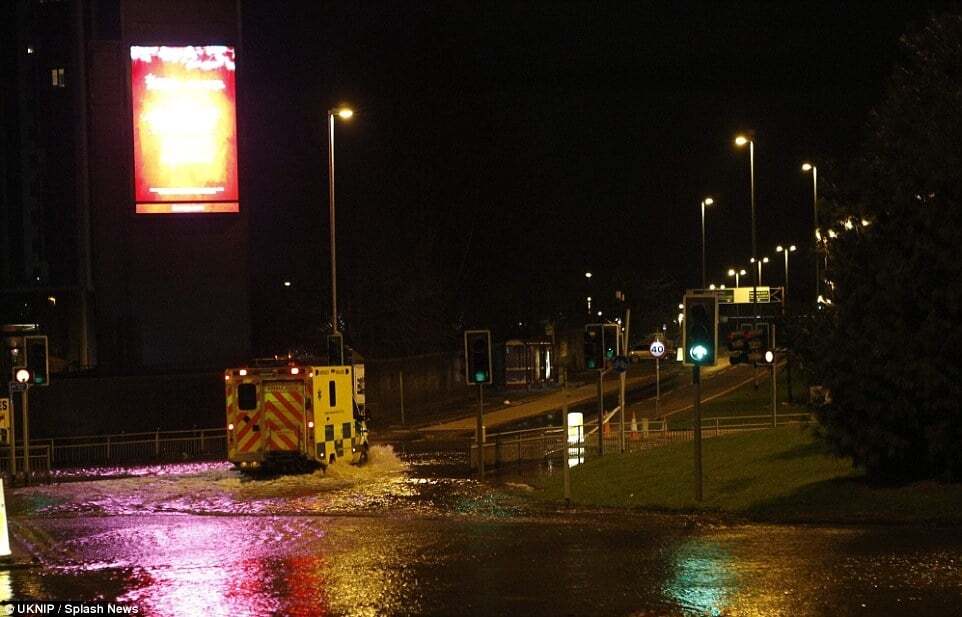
779 475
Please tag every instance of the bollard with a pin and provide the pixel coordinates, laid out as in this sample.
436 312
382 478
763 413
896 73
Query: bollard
157 443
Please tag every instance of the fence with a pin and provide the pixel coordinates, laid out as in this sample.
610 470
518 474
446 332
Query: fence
542 444
39 460
133 447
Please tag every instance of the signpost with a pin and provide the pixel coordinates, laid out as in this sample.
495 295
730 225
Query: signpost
658 350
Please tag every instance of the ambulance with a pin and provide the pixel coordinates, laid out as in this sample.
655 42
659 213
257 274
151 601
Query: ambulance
289 416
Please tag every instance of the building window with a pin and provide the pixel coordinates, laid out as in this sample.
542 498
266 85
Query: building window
56 78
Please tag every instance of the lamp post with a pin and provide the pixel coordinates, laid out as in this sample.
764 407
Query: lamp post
588 289
758 276
704 202
741 140
818 277
736 274
343 113
786 250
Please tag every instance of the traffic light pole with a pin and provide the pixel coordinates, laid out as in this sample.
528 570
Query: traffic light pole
13 443
696 380
623 376
26 433
481 431
601 412
774 407
564 440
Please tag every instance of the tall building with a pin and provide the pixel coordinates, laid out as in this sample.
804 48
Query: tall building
113 288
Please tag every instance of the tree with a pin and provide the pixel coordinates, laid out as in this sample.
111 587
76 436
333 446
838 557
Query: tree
889 346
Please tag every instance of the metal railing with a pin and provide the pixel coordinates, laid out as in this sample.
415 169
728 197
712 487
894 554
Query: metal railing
134 447
39 460
540 444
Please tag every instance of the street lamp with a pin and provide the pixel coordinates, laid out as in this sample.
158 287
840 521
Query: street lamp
782 249
736 274
763 260
814 170
741 140
344 113
704 202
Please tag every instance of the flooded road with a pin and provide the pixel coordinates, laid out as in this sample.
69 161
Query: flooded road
396 538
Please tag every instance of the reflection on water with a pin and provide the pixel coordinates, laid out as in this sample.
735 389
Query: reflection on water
396 539
6 588
702 578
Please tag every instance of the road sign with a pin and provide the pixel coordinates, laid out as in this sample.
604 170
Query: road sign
619 364
657 349
16 386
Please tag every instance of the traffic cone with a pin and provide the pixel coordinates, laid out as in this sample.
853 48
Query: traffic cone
634 427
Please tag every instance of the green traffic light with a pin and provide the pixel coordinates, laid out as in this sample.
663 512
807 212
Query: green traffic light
480 376
698 352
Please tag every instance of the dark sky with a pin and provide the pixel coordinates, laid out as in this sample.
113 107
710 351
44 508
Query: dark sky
501 149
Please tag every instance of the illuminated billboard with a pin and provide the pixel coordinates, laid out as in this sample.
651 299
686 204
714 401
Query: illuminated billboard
185 129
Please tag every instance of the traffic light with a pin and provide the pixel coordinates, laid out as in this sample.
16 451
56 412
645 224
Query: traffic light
594 346
610 332
335 349
737 347
37 362
477 357
700 334
757 342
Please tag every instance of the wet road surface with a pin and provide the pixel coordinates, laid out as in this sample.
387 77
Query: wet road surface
417 538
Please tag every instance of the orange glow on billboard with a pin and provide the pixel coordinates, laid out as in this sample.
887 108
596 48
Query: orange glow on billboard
185 129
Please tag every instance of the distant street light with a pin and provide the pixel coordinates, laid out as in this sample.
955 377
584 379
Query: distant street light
587 275
736 274
763 260
818 277
782 249
704 202
344 113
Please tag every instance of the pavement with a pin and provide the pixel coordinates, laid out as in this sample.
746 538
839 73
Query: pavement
716 381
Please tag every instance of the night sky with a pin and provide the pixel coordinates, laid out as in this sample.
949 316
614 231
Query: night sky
500 150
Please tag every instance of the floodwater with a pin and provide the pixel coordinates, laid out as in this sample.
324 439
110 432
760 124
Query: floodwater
417 538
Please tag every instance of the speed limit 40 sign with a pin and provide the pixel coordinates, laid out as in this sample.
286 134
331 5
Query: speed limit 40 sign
657 349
